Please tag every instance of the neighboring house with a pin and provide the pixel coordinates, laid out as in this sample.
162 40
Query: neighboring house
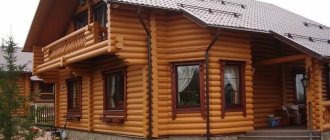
31 84
163 68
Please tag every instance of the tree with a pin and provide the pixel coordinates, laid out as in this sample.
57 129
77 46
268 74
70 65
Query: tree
12 124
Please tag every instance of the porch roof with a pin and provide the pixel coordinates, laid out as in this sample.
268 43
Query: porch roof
304 34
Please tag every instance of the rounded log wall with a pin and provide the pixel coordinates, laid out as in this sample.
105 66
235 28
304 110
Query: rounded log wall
267 96
181 40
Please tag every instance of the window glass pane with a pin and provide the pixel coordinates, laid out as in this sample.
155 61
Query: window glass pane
188 86
115 91
232 85
300 92
81 20
74 93
46 88
100 15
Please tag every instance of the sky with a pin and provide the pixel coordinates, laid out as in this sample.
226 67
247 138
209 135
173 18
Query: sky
16 16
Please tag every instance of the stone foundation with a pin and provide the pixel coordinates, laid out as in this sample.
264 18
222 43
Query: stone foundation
82 135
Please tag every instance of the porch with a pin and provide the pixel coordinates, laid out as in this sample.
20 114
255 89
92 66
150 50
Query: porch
282 133
287 80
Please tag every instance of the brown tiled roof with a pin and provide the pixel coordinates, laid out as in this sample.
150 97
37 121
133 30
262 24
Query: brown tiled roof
307 35
22 59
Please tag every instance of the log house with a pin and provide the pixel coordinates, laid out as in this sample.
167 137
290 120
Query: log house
152 69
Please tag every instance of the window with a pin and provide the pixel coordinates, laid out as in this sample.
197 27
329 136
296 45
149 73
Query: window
114 94
187 87
233 86
46 87
74 98
299 88
81 20
327 80
100 14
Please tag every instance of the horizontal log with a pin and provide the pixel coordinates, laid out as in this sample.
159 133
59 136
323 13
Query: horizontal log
283 59
76 33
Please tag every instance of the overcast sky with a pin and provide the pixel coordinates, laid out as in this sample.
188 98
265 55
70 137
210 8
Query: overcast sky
16 16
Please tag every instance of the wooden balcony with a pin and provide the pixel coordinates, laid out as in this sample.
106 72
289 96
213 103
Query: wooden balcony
326 115
84 43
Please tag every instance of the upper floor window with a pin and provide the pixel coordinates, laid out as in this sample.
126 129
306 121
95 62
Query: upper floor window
81 20
114 94
233 87
74 98
187 87
100 14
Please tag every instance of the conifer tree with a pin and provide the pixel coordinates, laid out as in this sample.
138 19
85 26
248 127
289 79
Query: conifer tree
13 125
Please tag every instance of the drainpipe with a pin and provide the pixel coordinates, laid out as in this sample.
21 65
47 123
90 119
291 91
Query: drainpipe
149 72
216 36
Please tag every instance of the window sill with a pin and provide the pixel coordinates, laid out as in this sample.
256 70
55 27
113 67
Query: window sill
113 119
73 117
114 116
234 109
185 111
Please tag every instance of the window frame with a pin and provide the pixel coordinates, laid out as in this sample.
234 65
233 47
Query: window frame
327 78
74 113
95 9
174 76
75 19
295 72
242 87
114 112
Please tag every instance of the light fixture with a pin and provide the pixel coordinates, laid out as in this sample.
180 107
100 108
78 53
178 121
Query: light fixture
82 2
305 79
305 82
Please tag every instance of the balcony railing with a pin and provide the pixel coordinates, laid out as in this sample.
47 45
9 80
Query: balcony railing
77 40
326 115
91 40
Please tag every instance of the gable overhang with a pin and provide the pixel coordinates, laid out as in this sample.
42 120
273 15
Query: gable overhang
50 22
297 46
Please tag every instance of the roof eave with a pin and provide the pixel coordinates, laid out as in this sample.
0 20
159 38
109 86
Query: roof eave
237 29
297 46
39 18
139 5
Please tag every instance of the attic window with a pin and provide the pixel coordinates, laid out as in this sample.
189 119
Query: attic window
315 25
209 9
311 39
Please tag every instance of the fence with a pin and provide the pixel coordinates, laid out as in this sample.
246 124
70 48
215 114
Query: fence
43 115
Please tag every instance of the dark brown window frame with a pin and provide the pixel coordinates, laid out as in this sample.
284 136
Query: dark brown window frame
75 19
295 72
97 7
242 105
175 109
74 114
114 115
327 78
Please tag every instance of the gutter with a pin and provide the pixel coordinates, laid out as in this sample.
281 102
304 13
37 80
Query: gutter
149 73
216 36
